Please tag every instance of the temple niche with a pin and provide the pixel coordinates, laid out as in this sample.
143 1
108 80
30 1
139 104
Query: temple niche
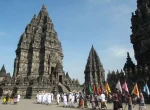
38 64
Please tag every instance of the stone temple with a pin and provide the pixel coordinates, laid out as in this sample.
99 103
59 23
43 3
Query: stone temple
140 32
39 58
94 71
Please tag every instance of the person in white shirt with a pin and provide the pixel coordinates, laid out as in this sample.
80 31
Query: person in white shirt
72 100
58 98
18 98
69 98
49 99
102 97
77 97
52 95
65 100
39 98
44 98
103 101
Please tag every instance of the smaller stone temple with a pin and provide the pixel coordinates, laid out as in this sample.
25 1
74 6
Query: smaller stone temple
94 71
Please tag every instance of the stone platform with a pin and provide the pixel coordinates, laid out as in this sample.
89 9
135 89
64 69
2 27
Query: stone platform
30 104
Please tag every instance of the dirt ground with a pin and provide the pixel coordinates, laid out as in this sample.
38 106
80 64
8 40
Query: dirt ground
30 104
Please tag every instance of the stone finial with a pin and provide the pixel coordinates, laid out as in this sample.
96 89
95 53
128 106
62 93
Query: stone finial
128 55
117 72
44 7
3 69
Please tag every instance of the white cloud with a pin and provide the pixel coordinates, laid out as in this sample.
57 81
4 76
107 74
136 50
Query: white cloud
120 51
2 33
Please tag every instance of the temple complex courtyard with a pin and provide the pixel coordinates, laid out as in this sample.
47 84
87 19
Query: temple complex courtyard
30 104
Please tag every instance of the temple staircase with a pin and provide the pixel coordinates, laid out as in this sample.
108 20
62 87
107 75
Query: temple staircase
62 88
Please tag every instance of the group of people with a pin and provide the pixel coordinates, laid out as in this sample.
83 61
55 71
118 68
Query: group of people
47 98
129 99
7 98
44 98
71 99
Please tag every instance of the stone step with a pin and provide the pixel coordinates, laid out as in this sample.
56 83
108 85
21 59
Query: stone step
65 90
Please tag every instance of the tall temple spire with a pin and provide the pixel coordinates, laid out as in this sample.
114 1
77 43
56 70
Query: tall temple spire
3 69
43 7
37 43
129 63
94 72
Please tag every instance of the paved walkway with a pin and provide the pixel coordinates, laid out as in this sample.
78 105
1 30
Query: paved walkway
27 104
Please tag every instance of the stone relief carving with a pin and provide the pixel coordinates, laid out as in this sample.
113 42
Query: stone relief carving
145 45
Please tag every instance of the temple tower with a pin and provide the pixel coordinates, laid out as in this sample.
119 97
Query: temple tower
94 72
140 37
129 64
39 49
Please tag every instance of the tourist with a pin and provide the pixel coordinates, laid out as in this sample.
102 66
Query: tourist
49 99
96 100
129 102
37 98
81 101
92 98
69 98
18 98
72 100
52 95
115 100
62 96
119 99
65 100
58 98
103 101
142 105
15 99
6 98
77 97
86 101
44 98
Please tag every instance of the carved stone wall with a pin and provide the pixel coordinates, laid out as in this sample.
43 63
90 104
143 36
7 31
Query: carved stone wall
140 32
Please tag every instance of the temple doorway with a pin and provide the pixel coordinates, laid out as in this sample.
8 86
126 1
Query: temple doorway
1 92
28 93
52 70
60 79
15 90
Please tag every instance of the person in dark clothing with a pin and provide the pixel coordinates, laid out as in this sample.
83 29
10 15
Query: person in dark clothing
85 102
7 98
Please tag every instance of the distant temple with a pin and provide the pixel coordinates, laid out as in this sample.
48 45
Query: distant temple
94 71
38 63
